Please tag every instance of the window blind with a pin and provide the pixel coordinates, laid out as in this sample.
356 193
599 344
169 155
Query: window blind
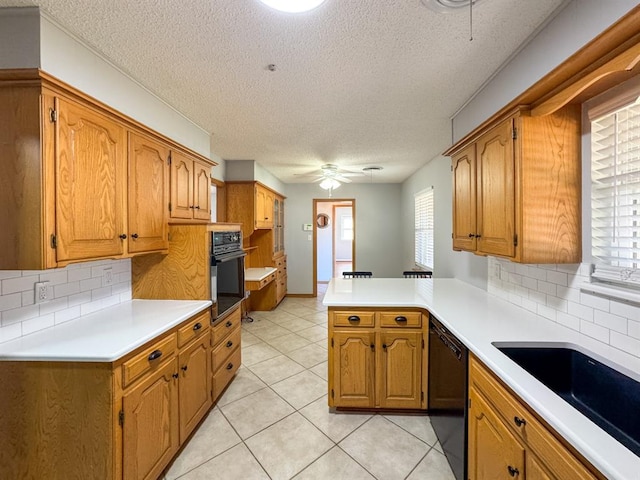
424 231
615 196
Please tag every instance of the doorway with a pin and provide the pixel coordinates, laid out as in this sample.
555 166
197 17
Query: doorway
334 246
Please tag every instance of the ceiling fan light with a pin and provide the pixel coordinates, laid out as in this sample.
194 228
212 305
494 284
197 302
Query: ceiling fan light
329 184
293 6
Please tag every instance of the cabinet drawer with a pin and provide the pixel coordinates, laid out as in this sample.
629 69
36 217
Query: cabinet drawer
400 319
353 319
225 348
194 328
223 376
223 327
148 359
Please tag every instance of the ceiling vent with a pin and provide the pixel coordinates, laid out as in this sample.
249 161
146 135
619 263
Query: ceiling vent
448 5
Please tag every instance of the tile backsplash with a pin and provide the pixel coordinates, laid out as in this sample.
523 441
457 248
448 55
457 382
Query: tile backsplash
553 291
72 291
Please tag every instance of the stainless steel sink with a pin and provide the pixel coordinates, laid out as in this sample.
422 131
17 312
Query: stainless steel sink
603 394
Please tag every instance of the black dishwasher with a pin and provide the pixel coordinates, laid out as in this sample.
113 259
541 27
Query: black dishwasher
448 395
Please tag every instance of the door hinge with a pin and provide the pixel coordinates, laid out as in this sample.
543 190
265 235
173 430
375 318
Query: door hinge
54 241
515 240
53 115
333 394
121 418
422 396
469 403
514 132
169 159
332 342
169 206
423 343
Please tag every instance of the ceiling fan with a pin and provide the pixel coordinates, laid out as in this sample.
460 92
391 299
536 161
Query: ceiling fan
329 171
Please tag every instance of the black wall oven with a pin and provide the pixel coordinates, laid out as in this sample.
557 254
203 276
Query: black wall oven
227 272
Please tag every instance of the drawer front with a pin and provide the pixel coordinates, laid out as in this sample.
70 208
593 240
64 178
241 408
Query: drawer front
225 349
400 319
226 325
223 376
267 280
353 319
148 359
195 327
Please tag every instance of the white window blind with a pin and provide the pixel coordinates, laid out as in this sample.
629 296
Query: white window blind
615 196
424 232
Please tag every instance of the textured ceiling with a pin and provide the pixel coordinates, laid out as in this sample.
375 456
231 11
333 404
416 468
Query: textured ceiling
357 82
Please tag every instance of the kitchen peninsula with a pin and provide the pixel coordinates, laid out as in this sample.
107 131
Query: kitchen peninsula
479 319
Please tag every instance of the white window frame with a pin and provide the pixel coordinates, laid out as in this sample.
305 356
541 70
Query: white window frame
424 231
623 282
346 225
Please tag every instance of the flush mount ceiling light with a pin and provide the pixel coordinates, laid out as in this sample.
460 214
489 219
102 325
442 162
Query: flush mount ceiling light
448 5
293 6
329 183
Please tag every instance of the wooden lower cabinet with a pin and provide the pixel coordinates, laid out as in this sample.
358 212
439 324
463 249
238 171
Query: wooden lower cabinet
225 351
151 423
376 361
506 440
123 420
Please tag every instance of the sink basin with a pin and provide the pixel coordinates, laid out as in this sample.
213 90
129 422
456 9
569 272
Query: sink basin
606 396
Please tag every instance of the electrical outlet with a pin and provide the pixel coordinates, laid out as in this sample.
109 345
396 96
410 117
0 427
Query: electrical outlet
107 277
42 292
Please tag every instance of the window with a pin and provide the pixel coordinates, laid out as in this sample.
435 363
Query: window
424 229
615 190
346 227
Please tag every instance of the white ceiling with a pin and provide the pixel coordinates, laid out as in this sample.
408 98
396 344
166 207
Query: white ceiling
357 82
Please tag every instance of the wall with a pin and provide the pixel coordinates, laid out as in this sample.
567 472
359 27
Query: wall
378 230
572 28
465 266
74 290
19 38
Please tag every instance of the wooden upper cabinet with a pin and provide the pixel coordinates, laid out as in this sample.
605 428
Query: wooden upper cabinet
464 199
516 188
263 207
148 194
495 221
251 204
90 183
190 188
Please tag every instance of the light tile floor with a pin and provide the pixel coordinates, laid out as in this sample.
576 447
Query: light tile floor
273 421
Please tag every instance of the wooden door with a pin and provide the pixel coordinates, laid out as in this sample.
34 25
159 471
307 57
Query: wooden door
181 186
151 425
195 385
90 182
148 194
493 452
400 369
268 210
464 199
202 191
496 191
353 365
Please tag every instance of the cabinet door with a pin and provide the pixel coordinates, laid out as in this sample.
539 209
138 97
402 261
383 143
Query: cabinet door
151 428
181 186
90 183
464 199
496 191
148 194
202 191
261 215
493 452
195 385
400 369
353 366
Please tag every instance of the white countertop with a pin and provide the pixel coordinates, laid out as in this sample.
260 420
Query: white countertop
105 335
478 319
258 274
